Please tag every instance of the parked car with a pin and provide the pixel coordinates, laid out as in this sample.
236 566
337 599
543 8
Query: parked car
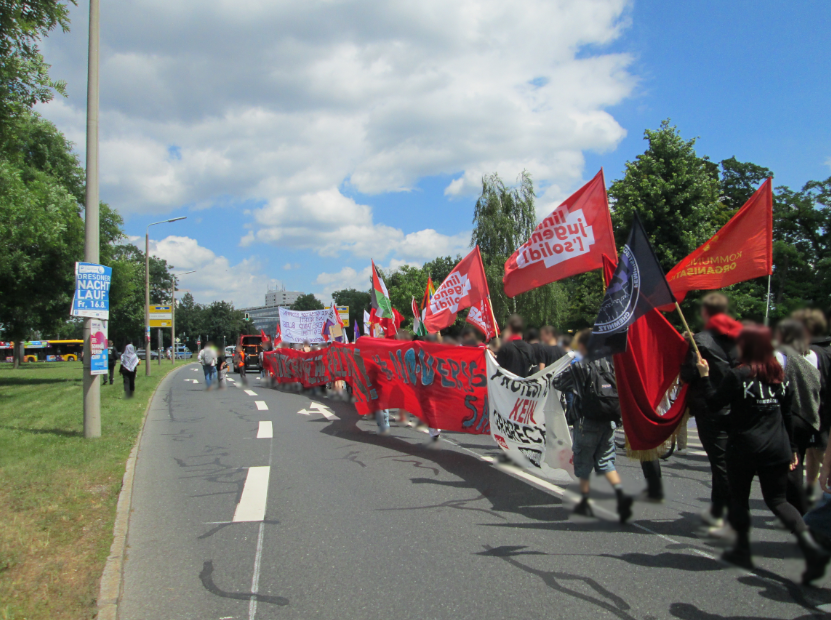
182 352
154 354
229 353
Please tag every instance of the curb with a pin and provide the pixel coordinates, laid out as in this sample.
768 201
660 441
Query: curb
109 592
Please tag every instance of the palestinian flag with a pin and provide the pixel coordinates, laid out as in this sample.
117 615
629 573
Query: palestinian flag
418 324
380 297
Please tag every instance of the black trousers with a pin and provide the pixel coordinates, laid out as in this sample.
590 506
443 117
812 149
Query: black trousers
129 382
654 483
774 482
802 436
713 435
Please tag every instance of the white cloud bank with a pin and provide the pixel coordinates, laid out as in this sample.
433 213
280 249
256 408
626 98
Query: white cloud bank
210 102
215 279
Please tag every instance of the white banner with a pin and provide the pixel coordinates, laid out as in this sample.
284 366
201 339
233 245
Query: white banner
527 420
300 326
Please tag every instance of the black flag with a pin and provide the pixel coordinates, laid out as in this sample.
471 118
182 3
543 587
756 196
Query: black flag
638 286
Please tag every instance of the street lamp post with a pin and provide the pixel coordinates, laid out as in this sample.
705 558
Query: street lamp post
92 383
173 315
147 291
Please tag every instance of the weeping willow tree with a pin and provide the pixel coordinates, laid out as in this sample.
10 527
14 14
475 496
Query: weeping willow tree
503 219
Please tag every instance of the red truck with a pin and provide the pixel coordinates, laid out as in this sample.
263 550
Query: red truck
251 347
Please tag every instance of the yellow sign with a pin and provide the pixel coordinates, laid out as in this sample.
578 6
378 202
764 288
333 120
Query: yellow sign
343 311
161 316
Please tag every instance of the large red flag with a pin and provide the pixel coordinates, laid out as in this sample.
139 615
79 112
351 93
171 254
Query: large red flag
571 240
741 250
464 287
652 402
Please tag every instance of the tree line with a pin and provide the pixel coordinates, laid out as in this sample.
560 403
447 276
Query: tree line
682 198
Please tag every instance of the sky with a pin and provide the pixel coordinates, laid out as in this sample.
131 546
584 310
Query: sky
303 139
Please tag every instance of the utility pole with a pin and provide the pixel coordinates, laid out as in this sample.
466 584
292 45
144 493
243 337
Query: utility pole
147 291
92 383
173 315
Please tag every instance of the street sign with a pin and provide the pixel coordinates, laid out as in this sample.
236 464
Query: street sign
161 316
92 291
343 311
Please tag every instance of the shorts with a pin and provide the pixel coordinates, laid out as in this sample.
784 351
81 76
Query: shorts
594 448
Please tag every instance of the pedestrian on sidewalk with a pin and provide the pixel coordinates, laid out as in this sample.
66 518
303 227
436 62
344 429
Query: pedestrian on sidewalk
717 345
597 409
208 357
112 359
760 444
129 363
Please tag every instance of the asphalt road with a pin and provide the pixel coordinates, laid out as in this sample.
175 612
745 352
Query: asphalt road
325 519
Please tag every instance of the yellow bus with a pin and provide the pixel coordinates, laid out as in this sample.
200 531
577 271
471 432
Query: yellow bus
45 351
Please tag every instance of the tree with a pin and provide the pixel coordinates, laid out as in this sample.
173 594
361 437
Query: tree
358 301
504 218
674 191
42 237
24 74
307 302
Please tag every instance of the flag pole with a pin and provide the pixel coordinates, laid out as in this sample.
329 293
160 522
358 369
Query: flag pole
767 304
687 328
493 318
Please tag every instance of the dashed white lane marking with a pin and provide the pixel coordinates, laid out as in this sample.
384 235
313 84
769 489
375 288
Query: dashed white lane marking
251 392
266 430
826 608
251 505
195 369
196 380
261 406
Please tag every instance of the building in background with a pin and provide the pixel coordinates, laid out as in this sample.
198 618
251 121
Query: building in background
267 317
281 297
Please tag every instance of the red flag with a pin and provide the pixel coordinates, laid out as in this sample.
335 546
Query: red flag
278 336
464 287
651 402
263 337
388 326
571 240
481 317
741 250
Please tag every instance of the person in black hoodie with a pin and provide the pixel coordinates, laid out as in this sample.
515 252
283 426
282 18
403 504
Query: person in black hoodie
515 355
758 402
717 345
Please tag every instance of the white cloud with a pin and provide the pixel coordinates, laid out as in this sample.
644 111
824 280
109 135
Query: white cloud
215 279
209 102
828 162
348 277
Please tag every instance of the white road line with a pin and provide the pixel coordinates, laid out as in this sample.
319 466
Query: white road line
251 505
196 380
266 430
255 579
251 392
261 406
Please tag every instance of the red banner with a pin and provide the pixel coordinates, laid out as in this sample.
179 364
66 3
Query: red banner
741 250
572 240
444 386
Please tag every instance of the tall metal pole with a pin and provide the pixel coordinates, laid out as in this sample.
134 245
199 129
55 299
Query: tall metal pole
92 383
147 303
173 322
767 304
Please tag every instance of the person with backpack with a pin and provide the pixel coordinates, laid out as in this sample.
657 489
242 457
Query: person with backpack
717 345
515 355
208 358
597 409
803 377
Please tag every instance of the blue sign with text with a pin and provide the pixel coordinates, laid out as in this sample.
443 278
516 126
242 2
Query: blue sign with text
92 291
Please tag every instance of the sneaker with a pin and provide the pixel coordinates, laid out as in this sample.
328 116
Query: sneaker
725 532
624 508
710 521
584 509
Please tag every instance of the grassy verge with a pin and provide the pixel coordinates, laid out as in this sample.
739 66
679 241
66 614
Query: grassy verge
58 491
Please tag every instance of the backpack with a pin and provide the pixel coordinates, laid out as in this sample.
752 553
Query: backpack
600 400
